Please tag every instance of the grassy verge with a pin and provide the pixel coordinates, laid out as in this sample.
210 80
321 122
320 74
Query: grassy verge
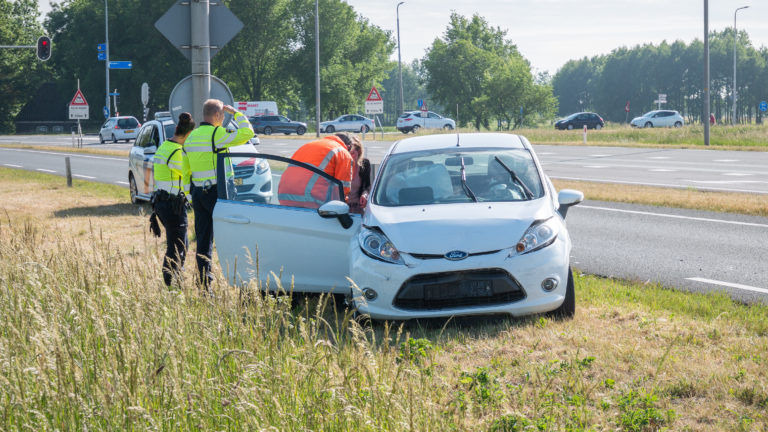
92 340
66 149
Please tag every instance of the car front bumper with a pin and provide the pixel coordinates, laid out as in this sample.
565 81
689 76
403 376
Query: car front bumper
527 271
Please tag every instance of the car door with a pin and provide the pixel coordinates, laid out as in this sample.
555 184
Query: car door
149 147
350 124
278 240
136 157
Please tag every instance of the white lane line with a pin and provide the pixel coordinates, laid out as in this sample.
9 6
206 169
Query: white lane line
676 186
45 170
729 284
726 181
13 166
83 176
675 216
662 170
594 166
600 155
659 157
737 174
122 182
65 154
725 160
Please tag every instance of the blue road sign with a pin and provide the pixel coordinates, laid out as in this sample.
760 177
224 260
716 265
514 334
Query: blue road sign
102 55
101 47
114 94
120 65
763 106
420 102
106 112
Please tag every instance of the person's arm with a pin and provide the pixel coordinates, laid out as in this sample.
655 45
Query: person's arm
244 132
186 173
343 170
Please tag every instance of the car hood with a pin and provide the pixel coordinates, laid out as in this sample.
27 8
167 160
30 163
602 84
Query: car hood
639 118
471 227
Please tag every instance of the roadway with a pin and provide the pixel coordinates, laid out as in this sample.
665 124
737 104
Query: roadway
688 249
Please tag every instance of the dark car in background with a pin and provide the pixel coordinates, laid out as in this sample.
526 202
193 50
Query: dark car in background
579 120
268 124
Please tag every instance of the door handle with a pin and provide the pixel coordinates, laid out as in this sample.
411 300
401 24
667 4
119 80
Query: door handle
236 219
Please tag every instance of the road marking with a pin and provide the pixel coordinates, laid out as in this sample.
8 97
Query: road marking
725 160
600 155
729 284
122 182
662 170
675 216
83 176
676 186
659 157
737 174
12 165
45 170
726 181
594 166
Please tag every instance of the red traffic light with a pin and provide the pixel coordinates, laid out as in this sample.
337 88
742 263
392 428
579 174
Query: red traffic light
43 48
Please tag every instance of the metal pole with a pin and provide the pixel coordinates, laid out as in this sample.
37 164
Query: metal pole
201 56
399 61
106 48
317 69
733 118
68 170
706 72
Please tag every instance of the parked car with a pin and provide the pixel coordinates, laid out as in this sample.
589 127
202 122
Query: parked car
412 121
119 128
267 124
659 118
252 179
455 225
349 122
163 114
579 120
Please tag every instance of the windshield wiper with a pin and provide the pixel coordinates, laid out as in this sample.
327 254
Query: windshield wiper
528 193
464 184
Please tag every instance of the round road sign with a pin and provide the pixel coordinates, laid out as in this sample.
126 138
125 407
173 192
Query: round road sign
181 97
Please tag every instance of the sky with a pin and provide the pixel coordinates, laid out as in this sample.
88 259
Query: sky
550 32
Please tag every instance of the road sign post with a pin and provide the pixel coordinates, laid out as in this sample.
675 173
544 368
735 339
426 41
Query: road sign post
374 104
78 109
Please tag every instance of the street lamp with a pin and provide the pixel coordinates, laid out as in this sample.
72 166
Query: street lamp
733 118
706 73
399 62
317 69
106 49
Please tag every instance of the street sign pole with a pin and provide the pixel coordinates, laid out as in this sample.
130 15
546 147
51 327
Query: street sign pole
106 50
201 56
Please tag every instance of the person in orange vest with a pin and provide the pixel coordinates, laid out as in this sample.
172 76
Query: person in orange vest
300 187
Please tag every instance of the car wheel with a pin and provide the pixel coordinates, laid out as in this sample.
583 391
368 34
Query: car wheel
267 130
415 128
648 125
101 139
404 130
568 308
598 126
301 130
570 127
114 139
364 129
330 129
447 127
678 124
286 133
134 190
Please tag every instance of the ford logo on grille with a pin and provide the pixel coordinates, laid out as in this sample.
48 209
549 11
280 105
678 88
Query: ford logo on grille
456 255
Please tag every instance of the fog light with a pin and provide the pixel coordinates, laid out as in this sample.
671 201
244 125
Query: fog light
370 294
549 284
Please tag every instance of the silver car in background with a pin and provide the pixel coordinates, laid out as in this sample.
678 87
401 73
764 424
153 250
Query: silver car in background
348 122
659 118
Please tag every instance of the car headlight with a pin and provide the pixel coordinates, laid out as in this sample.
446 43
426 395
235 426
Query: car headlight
262 167
376 245
539 235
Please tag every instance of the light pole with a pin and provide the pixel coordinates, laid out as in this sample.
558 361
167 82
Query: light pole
106 49
399 62
706 72
733 118
317 69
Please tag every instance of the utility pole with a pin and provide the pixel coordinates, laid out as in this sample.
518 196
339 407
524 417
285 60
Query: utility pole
399 61
106 51
317 69
201 56
733 118
706 72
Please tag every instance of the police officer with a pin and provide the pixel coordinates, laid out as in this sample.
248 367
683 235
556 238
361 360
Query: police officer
169 199
201 147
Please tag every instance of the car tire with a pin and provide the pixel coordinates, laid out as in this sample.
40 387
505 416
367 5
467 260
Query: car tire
301 130
267 130
678 124
404 130
570 127
568 308
101 139
415 128
286 133
598 126
364 129
133 189
447 127
330 129
648 125
114 138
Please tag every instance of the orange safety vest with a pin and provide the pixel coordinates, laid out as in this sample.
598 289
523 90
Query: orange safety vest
300 187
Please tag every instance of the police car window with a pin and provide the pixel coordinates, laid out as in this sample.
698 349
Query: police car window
142 138
170 130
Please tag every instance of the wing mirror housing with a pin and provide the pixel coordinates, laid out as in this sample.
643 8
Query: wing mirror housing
568 198
150 150
336 209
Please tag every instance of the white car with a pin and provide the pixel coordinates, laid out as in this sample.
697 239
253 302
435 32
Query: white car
119 128
349 122
412 121
459 224
252 179
659 118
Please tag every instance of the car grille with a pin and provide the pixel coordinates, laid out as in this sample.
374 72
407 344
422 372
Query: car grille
244 171
437 256
458 289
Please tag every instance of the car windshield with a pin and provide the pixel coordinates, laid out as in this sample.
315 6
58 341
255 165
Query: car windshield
127 123
458 176
649 114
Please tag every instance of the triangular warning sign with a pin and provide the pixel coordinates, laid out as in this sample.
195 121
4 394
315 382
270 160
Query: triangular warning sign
373 95
79 99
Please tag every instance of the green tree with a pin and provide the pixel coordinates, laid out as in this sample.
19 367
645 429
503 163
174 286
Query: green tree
20 71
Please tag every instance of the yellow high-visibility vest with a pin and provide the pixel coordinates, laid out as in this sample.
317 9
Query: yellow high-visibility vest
201 147
169 168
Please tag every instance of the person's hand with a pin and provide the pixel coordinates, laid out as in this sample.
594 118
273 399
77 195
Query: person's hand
229 109
363 200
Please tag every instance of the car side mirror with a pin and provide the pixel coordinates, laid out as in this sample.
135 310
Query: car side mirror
336 209
150 150
568 198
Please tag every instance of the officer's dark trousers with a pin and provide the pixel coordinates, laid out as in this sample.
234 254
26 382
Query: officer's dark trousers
203 201
175 237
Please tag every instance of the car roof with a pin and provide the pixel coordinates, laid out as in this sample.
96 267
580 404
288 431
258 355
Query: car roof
466 140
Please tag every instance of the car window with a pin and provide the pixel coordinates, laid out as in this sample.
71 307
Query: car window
170 130
127 123
142 137
435 177
405 115
282 119
433 115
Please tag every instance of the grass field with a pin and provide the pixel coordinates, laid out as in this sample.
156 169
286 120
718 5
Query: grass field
92 340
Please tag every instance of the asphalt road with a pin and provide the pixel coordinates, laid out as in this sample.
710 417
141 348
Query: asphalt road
693 250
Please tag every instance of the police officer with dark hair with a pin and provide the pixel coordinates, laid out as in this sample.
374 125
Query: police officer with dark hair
172 179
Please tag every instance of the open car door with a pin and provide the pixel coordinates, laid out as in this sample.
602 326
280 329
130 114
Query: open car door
306 244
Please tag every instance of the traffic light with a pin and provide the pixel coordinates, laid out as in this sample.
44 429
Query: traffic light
43 48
